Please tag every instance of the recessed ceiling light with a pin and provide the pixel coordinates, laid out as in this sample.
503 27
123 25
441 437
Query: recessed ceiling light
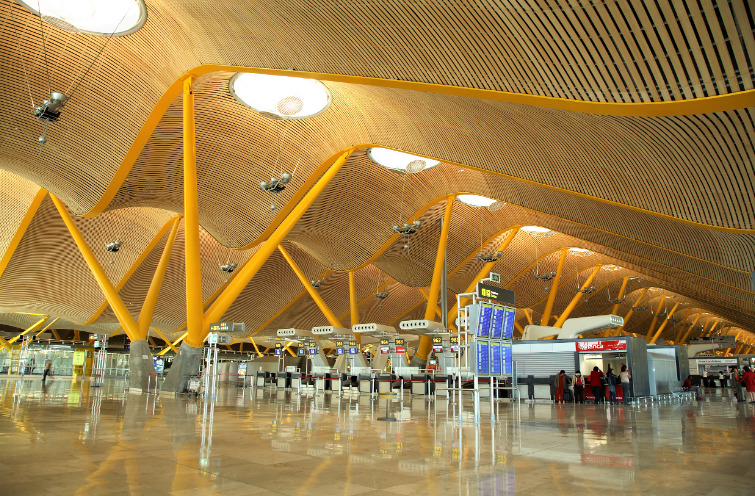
612 267
281 97
476 200
400 161
95 17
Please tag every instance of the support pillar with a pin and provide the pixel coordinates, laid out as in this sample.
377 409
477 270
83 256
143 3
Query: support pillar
554 289
184 366
140 366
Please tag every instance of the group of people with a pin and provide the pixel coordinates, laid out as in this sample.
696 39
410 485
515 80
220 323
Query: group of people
744 382
597 381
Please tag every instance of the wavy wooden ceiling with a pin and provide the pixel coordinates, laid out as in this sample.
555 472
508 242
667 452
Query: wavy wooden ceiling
575 173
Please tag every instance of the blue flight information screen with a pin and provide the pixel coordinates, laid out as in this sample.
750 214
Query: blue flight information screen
509 316
506 358
483 359
495 359
483 323
496 322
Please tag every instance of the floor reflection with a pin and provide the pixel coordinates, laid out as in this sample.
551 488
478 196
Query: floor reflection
254 441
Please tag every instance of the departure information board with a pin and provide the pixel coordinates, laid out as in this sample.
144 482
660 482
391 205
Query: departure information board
506 358
496 322
483 323
495 358
483 358
509 316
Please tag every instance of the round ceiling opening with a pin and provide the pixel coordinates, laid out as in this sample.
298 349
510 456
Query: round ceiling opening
281 97
95 17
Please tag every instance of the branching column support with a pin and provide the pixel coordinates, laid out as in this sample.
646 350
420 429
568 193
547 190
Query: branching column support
425 343
33 328
193 261
739 348
554 289
486 269
728 350
353 305
112 296
332 319
250 268
21 230
148 307
615 307
663 325
655 317
631 311
573 303
689 330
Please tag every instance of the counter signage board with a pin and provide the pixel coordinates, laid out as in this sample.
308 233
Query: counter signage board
400 342
608 345
716 361
495 358
483 359
499 295
437 339
339 344
509 316
454 348
352 350
302 351
385 349
400 349
384 342
352 343
437 349
454 339
277 351
339 351
313 351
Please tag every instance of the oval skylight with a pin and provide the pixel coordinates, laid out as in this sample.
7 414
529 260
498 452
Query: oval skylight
536 230
581 252
95 17
400 161
281 97
476 200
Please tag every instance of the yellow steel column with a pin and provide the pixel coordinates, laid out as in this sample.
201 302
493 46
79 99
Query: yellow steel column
167 341
486 269
33 328
173 347
663 325
194 301
655 317
21 229
332 319
710 331
573 303
50 324
150 301
631 311
735 340
615 307
353 305
425 343
689 330
116 303
247 272
255 346
739 348
554 289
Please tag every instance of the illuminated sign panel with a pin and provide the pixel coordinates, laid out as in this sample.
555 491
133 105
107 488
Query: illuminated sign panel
611 345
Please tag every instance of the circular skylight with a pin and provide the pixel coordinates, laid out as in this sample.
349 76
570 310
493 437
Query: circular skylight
95 17
281 97
400 161
476 200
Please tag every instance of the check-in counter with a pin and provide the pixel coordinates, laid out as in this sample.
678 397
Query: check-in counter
283 380
420 384
365 383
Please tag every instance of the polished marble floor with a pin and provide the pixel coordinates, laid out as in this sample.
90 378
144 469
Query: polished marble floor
75 439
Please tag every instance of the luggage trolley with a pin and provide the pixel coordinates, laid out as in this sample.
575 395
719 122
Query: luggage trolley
194 386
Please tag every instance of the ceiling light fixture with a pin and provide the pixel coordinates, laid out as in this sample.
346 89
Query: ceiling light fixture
536 231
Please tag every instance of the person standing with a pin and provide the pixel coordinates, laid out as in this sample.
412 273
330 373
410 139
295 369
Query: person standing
625 376
596 384
579 387
560 384
47 370
748 379
705 378
736 383
611 379
722 378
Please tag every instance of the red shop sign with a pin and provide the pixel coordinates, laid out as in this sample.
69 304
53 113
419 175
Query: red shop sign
400 349
615 345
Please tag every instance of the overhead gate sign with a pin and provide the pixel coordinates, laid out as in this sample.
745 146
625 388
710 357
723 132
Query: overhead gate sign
614 345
